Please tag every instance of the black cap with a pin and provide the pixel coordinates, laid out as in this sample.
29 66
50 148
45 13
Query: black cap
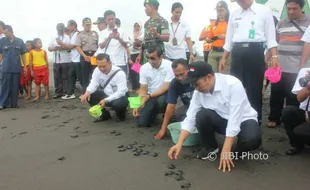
86 21
71 22
9 28
99 20
197 70
60 27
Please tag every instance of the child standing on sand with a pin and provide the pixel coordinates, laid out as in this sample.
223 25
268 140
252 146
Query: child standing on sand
25 79
39 68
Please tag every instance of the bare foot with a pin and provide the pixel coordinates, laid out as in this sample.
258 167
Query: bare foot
46 98
27 98
271 124
36 99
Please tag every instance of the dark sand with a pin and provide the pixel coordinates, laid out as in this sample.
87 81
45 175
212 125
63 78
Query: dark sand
35 136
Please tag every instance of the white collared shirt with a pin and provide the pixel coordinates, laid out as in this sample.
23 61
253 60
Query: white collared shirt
156 78
116 88
302 73
115 50
75 55
61 56
2 35
257 17
229 100
182 33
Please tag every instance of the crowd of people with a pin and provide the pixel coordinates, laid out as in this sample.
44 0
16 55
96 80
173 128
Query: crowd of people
222 94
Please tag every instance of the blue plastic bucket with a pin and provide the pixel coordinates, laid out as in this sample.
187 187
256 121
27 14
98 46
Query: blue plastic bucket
175 129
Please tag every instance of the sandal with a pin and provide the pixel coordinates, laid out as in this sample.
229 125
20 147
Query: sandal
293 151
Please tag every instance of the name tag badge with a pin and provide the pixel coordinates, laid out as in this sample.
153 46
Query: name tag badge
252 31
238 18
251 34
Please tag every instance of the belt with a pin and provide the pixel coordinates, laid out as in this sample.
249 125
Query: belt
248 44
218 49
89 52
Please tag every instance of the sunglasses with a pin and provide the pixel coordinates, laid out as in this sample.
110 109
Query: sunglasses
151 58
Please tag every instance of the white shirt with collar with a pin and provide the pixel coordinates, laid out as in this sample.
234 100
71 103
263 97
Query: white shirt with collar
156 78
61 56
182 33
115 50
257 17
75 55
116 88
302 73
2 35
229 100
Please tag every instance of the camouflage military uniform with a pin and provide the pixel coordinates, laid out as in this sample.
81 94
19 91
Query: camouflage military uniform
161 26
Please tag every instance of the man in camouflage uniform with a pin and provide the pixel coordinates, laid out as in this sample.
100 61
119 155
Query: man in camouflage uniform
87 45
156 29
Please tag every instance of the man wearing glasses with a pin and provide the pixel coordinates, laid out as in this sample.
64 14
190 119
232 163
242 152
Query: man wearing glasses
220 105
155 78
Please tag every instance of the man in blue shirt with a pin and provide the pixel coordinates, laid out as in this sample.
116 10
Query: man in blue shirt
12 50
176 90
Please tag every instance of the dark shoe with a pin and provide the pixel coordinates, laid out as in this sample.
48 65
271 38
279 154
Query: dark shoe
205 153
293 151
105 116
56 96
120 117
2 107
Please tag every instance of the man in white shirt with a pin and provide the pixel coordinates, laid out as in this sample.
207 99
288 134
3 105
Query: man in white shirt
220 105
74 71
62 60
155 78
249 28
113 41
296 120
108 88
180 37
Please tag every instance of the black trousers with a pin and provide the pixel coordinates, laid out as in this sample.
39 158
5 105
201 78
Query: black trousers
280 91
61 71
150 111
208 122
118 105
9 89
248 65
87 71
134 77
74 74
296 126
206 56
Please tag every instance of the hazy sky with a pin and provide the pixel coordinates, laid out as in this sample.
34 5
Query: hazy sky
38 18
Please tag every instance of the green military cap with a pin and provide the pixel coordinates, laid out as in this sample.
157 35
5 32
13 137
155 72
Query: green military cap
86 21
99 20
60 27
151 2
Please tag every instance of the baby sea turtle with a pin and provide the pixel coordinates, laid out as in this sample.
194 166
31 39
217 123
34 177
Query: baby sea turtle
186 185
171 167
121 146
122 150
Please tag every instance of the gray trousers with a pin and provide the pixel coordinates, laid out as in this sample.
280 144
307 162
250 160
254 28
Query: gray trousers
61 71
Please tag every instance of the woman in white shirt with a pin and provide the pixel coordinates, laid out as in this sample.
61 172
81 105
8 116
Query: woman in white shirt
136 44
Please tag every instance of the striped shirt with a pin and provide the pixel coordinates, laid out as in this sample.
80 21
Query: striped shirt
290 44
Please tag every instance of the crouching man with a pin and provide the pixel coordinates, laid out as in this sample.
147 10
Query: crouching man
155 78
220 105
296 120
108 88
176 90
